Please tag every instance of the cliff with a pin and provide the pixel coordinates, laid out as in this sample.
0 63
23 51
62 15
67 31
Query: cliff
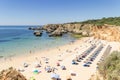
105 28
60 29
104 32
107 32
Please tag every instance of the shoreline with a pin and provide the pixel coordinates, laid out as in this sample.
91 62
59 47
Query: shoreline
40 51
66 53
32 51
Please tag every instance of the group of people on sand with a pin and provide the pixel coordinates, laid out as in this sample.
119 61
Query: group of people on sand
52 69
47 67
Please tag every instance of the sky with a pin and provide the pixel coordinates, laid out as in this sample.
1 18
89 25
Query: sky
40 12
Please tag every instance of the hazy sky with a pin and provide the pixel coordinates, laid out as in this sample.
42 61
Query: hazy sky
35 12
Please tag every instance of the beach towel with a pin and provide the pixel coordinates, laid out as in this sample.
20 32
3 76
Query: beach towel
37 71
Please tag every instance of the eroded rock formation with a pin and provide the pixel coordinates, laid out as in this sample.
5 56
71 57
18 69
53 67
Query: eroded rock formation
59 29
107 32
37 33
11 74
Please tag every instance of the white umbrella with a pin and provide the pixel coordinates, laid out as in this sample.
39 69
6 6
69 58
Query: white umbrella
56 76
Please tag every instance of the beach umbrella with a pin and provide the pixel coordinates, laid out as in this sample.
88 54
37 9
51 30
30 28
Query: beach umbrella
56 76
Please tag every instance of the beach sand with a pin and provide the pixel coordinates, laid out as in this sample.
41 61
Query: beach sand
64 53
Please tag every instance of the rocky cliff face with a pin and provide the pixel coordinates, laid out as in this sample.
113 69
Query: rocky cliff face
107 32
104 32
11 74
60 29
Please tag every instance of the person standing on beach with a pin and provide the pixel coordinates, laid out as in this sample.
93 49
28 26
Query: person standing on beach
40 62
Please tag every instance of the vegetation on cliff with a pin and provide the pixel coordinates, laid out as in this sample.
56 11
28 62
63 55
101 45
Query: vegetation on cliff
110 21
110 68
86 28
77 36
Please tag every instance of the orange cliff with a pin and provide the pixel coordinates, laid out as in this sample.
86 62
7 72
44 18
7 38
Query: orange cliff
106 32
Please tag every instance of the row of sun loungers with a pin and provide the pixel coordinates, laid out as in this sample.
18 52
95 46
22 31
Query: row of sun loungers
105 54
93 56
79 58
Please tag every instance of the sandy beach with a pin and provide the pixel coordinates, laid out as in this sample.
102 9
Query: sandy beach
62 55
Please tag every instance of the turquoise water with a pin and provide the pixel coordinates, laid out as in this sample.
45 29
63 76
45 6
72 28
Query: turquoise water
18 40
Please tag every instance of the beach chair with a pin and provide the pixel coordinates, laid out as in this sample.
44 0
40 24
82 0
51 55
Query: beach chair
74 62
86 65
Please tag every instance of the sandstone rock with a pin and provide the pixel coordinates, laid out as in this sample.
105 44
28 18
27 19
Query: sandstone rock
50 27
11 74
37 33
91 34
35 28
85 33
106 32
77 31
55 34
59 29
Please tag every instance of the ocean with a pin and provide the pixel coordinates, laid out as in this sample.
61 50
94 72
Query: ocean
18 40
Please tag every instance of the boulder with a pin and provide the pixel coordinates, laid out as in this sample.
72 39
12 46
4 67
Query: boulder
85 33
56 33
76 28
35 28
76 31
37 33
11 74
90 33
50 27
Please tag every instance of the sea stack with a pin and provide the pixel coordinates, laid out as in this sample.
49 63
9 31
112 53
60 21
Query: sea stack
37 33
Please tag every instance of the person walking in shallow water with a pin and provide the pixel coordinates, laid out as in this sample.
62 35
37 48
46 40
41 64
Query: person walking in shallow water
30 51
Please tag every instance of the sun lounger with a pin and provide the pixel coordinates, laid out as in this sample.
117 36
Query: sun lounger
74 62
86 65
